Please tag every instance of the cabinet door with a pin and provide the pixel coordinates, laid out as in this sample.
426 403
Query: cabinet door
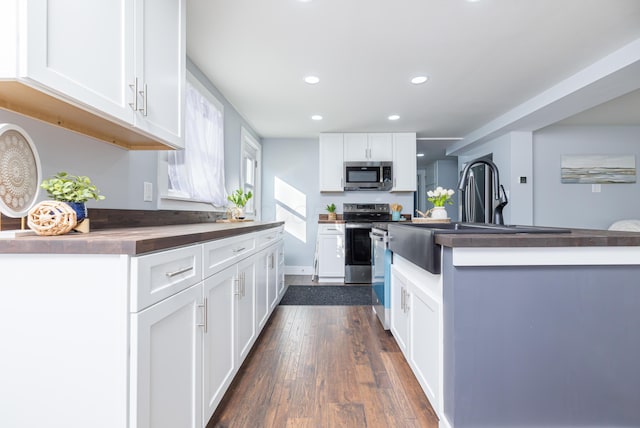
399 309
380 147
404 162
219 364
245 308
272 276
331 163
425 342
84 51
281 285
262 285
356 147
160 68
330 255
166 368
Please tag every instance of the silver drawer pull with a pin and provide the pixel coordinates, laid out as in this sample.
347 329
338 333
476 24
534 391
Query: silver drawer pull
178 272
237 250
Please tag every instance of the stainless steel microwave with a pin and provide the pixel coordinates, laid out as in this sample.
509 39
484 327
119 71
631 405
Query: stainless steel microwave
368 176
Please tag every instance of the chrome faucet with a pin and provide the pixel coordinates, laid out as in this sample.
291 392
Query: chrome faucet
498 189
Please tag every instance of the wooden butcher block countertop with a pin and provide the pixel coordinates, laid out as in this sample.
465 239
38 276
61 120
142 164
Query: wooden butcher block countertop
130 241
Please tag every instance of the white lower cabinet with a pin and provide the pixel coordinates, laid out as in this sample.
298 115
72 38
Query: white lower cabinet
331 252
281 284
273 283
245 308
425 314
219 362
166 364
159 336
399 309
262 288
416 324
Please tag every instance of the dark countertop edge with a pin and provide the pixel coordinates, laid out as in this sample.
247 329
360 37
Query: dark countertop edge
131 241
577 238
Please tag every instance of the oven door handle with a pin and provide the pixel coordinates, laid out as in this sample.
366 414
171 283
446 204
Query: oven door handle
376 237
358 226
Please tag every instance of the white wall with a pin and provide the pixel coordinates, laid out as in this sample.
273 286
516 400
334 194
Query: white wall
116 172
575 205
291 193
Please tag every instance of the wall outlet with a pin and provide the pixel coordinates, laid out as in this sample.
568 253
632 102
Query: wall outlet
596 188
148 192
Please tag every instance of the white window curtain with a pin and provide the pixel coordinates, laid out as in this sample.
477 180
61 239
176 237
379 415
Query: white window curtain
197 172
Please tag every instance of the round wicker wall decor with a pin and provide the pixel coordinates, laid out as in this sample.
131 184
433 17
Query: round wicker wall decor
19 171
51 218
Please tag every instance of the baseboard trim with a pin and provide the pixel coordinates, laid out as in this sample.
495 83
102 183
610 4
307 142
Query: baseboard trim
298 270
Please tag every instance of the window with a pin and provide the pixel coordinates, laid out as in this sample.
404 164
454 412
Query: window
197 172
250 170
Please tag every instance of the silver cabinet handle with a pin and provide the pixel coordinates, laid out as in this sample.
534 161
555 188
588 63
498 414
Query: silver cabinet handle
178 272
402 299
237 281
406 301
205 316
134 87
237 250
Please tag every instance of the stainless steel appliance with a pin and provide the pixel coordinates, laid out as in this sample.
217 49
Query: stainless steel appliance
381 258
480 186
358 220
368 176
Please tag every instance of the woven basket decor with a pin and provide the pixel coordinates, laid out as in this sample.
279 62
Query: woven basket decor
51 218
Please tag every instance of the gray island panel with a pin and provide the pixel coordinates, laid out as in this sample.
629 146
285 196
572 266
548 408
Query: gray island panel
543 346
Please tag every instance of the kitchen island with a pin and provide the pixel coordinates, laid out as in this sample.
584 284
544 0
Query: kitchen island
523 329
133 327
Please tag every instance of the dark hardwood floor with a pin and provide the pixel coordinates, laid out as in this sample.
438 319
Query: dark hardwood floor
324 366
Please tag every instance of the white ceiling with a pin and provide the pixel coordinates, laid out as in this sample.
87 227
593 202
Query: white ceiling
483 59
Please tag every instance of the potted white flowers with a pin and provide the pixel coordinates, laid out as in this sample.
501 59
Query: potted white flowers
439 197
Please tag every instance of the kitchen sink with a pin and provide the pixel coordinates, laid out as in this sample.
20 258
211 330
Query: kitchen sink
416 241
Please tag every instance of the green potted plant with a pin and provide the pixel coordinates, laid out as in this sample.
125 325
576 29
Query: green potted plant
331 209
239 198
75 190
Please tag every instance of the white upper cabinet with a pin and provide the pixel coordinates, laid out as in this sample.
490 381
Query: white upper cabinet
114 70
368 147
81 50
331 163
380 147
160 64
404 162
356 147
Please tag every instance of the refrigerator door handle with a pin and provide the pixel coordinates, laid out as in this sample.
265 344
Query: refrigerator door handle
470 199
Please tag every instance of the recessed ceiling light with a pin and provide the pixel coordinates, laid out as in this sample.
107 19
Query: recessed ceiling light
394 117
316 117
312 80
419 80
420 155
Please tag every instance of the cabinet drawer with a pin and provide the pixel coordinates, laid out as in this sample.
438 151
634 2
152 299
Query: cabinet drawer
224 252
157 276
331 229
269 237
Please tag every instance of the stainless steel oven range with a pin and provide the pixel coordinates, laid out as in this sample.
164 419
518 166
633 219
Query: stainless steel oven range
358 219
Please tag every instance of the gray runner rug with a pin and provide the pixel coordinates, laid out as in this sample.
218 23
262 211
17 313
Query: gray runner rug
327 295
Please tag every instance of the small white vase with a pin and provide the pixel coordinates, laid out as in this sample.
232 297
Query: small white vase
439 213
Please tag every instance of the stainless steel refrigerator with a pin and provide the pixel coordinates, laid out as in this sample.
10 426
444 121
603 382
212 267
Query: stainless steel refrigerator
476 200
